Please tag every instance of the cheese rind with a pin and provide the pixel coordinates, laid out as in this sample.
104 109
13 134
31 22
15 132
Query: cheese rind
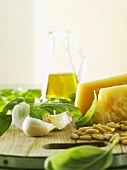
85 91
112 105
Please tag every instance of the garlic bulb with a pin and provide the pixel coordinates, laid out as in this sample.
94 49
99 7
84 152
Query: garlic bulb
36 127
19 113
60 120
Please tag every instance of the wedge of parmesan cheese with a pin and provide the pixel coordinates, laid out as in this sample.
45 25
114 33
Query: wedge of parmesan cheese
85 95
112 105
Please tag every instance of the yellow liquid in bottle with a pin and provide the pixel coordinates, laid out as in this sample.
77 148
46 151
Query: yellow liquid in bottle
61 85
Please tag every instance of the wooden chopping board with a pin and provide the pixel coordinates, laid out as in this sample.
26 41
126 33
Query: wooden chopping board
19 151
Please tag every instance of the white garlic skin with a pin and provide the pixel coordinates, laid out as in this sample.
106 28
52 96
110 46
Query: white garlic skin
19 113
36 127
60 120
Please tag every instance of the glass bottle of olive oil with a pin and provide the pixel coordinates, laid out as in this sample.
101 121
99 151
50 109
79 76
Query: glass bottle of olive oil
61 85
60 80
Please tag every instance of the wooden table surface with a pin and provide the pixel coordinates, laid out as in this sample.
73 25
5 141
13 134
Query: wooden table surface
20 151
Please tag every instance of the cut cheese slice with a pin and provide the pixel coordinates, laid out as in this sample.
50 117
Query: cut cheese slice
85 94
112 105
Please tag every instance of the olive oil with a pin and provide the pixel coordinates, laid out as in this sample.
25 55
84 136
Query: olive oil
61 85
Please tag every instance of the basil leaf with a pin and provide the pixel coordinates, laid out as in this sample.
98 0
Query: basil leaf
2 103
10 94
61 107
54 108
12 103
81 158
5 122
6 92
35 92
29 98
73 158
89 114
38 113
72 97
3 112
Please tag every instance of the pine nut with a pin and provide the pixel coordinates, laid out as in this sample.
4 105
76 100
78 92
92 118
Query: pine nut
108 129
113 125
123 138
98 136
79 133
113 137
123 134
82 133
123 127
101 129
85 137
83 129
108 136
76 131
74 136
124 122
113 130
92 131
103 132
124 142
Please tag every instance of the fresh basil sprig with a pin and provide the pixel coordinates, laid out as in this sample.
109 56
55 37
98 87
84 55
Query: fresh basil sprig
85 157
9 98
38 113
30 99
55 108
2 103
5 122
10 105
7 95
89 114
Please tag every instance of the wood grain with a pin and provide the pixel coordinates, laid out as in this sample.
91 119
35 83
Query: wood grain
15 143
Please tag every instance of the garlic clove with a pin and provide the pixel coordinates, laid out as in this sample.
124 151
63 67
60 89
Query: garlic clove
19 113
36 127
60 120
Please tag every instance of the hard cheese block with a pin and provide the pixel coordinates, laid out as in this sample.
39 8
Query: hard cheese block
112 105
85 91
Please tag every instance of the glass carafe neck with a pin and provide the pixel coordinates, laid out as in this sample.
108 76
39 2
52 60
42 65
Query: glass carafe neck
61 60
